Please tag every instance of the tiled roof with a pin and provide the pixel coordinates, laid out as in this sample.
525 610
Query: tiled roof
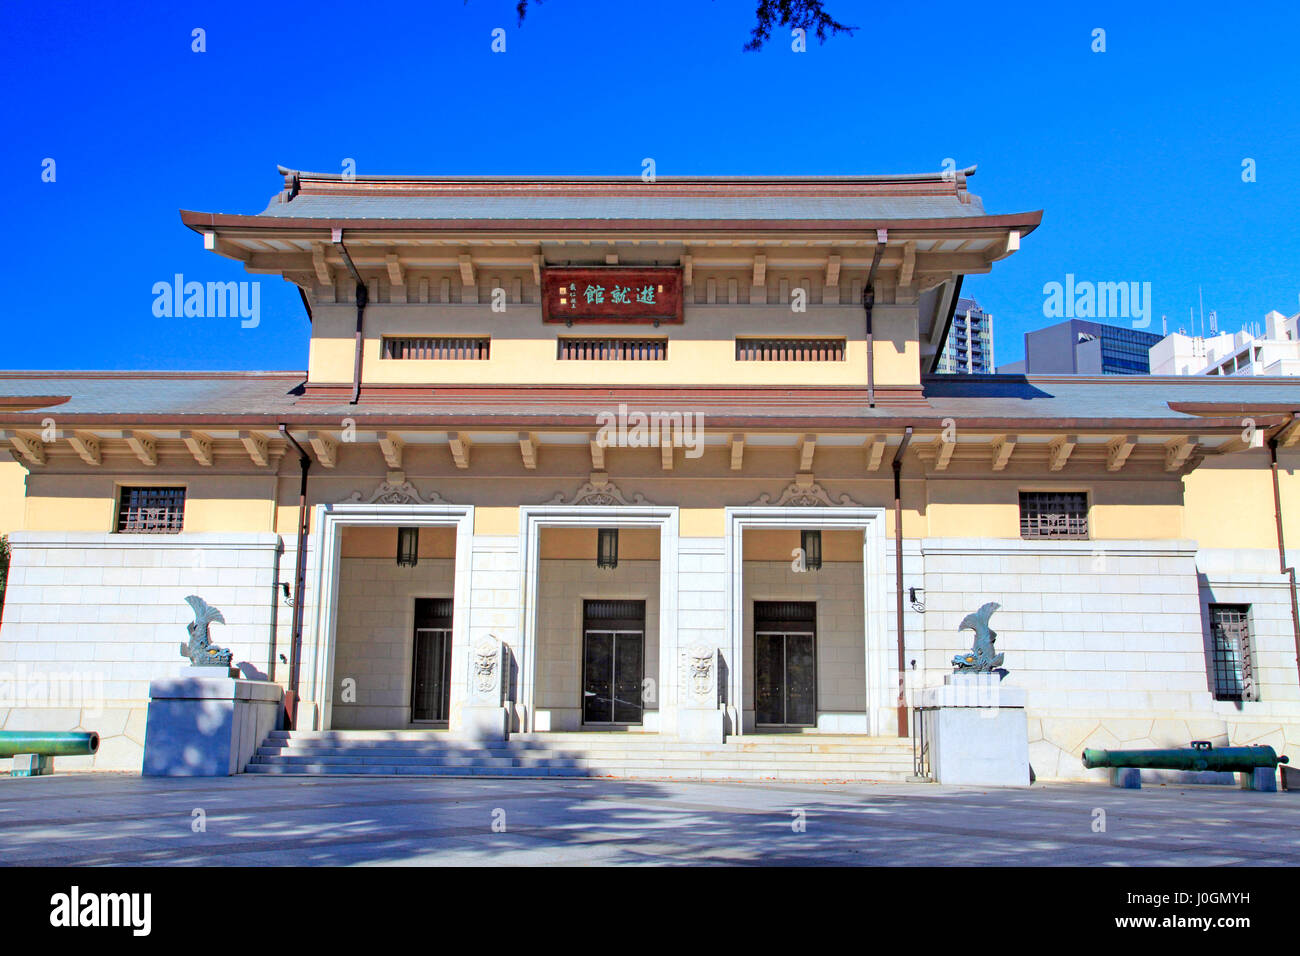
649 206
259 398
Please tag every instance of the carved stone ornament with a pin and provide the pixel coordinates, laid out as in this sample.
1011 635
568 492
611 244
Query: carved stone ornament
200 649
486 669
394 493
699 676
805 494
598 491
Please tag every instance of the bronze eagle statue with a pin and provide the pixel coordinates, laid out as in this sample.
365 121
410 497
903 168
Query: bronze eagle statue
980 659
200 650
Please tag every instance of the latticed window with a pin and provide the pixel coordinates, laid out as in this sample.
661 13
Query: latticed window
442 348
600 348
789 350
151 510
1053 514
1231 665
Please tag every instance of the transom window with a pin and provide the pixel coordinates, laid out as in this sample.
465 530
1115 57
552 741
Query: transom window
603 349
1053 514
151 510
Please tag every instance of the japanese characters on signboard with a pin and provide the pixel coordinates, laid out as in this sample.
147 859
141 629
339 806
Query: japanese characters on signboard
613 294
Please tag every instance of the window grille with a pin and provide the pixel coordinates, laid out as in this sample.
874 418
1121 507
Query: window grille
151 511
442 348
789 350
1232 667
1053 514
598 348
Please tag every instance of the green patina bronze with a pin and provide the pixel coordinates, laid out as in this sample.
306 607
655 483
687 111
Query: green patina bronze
71 744
200 650
1202 755
980 659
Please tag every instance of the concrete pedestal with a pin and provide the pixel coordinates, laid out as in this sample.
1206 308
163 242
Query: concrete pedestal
482 722
1263 779
31 765
201 726
701 726
977 731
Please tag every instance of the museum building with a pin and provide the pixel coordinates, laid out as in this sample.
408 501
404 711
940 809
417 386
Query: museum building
635 433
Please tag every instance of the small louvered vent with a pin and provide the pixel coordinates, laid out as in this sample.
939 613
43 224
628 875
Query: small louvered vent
789 350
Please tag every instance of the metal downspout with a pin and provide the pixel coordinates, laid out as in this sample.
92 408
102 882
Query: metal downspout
299 582
868 304
898 576
362 295
1281 541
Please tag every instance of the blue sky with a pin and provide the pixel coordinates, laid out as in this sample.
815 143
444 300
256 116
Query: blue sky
1135 155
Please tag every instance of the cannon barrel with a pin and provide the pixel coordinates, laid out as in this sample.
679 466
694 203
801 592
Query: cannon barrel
68 744
1221 759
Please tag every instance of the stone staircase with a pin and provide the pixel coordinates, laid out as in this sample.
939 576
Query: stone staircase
769 757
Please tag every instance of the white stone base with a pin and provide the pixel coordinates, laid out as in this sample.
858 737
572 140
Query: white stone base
207 726
31 765
977 732
700 726
484 722
1263 779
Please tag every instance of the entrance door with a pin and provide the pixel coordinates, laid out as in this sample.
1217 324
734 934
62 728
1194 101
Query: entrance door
613 661
431 672
785 663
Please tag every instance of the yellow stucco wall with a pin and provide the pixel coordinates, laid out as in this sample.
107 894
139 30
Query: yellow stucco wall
13 490
1226 503
1229 501
701 351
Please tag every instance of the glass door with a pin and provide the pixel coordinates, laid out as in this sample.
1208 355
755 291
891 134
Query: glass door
785 663
431 662
613 661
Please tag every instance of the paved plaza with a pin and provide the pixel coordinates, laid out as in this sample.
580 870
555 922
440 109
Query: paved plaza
118 819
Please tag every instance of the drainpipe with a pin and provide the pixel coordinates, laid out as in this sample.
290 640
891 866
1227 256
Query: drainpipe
869 303
363 296
898 575
299 582
1281 541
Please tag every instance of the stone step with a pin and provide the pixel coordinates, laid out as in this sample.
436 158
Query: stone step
623 772
717 762
706 753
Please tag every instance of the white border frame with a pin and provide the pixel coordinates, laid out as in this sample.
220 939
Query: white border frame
532 518
875 593
329 519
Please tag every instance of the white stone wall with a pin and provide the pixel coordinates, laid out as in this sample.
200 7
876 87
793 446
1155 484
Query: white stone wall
562 587
841 639
90 619
1104 636
375 637
702 583
1251 576
493 571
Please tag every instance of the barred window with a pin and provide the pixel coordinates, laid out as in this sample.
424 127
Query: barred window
151 510
440 347
601 348
1053 514
789 350
1231 664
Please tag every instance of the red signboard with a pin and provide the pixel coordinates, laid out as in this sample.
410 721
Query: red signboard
612 294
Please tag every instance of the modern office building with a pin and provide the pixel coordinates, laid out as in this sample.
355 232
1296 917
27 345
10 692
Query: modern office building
969 347
1083 347
657 458
1275 352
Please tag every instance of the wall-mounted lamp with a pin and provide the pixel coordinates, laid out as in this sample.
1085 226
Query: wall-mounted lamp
284 593
917 604
607 548
811 543
408 547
